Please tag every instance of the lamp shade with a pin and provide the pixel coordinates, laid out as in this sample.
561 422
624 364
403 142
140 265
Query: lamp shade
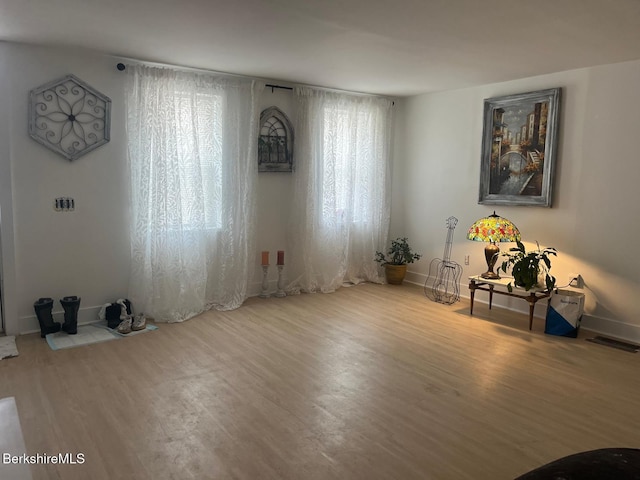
493 228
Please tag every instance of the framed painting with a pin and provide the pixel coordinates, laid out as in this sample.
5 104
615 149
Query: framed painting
519 144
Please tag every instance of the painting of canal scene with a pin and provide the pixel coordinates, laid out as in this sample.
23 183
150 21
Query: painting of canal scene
519 148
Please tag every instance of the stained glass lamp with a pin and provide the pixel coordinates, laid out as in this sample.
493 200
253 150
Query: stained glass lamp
493 229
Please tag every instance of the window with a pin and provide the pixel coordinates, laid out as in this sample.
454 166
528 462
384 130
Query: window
341 202
349 164
191 147
199 148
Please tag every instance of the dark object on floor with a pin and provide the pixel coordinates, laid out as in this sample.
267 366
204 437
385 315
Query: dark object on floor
610 342
43 307
113 313
606 463
71 306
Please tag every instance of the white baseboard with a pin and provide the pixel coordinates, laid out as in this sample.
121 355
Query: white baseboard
86 315
255 288
416 278
605 326
612 328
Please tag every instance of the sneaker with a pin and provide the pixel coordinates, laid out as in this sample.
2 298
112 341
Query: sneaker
125 326
139 322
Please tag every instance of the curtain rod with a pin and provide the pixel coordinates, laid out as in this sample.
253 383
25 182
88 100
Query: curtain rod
121 67
272 87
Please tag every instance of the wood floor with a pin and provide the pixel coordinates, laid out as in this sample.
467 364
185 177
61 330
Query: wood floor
371 382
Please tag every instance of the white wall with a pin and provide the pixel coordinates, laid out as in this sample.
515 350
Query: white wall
594 219
275 190
7 260
85 252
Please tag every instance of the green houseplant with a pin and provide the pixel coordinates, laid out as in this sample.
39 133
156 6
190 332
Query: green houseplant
527 268
395 261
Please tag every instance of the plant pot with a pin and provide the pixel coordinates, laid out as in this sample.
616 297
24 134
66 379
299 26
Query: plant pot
540 283
395 273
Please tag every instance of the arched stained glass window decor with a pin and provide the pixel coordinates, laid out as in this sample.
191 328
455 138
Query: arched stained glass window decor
69 117
275 144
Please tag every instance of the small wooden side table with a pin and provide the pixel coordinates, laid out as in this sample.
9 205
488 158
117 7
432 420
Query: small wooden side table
476 282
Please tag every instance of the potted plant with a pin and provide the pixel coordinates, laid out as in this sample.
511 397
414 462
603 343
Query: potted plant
528 268
395 265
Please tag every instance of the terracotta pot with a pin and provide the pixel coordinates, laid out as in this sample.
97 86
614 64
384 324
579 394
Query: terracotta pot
395 273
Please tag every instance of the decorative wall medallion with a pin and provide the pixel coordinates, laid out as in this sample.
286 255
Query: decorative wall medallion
275 143
69 117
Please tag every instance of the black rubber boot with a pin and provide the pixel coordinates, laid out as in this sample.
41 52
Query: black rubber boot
71 306
114 314
43 307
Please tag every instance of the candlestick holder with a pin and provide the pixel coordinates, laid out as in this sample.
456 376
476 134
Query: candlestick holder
280 292
265 283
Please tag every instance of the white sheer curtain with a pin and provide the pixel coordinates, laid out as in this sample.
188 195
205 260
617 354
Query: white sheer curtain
342 189
192 157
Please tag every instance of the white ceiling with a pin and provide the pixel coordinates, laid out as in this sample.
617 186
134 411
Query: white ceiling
400 47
